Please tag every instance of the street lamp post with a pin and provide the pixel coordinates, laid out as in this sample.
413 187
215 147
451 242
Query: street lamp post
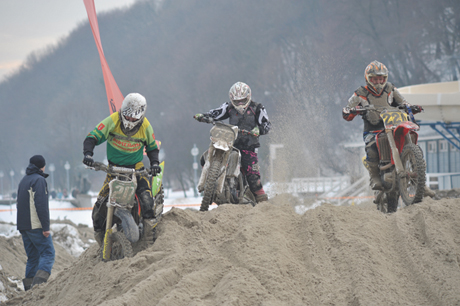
195 168
1 180
273 148
67 168
52 168
12 190
12 183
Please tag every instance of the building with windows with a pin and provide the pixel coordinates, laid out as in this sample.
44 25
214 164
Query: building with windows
441 143
442 162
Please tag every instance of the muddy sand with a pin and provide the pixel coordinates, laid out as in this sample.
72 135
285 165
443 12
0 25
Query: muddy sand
268 255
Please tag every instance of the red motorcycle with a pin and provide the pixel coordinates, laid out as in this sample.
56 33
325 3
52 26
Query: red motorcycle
401 163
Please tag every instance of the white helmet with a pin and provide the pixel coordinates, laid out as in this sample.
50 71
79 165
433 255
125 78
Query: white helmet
240 96
132 113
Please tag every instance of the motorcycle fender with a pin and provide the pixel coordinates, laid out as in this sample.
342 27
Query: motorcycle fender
401 131
221 145
130 228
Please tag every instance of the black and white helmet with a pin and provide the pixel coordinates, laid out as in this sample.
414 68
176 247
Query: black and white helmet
132 113
240 96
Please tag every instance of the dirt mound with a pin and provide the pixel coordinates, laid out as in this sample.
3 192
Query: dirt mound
269 255
447 194
70 240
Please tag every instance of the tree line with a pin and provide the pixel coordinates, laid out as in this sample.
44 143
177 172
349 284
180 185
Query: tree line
302 60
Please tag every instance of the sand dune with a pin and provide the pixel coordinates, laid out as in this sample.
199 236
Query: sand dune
269 255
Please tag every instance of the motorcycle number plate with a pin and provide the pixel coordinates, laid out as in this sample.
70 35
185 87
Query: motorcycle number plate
122 192
393 118
223 133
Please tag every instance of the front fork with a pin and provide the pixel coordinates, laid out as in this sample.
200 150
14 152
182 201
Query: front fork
108 233
395 153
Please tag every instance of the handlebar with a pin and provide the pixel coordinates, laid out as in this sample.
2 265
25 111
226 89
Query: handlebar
207 119
115 170
360 110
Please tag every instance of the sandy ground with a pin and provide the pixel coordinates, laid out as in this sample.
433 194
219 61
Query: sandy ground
268 255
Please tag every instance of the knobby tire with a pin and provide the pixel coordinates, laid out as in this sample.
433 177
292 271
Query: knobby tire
121 247
412 187
210 184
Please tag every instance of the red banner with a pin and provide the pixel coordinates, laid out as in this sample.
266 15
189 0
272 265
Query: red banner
114 95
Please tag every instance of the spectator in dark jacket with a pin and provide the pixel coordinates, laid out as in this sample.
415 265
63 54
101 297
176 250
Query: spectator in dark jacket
33 221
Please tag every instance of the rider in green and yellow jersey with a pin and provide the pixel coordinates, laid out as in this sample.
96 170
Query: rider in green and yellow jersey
127 132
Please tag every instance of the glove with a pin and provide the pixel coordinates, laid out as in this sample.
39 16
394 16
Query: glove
255 131
88 160
155 168
198 117
416 109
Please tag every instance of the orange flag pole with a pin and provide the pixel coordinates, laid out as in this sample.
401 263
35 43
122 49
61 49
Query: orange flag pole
114 95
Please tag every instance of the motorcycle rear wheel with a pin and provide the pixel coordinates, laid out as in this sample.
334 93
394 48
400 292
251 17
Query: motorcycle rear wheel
210 184
412 185
120 248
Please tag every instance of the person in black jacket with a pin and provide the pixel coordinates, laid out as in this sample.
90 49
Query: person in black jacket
33 222
249 116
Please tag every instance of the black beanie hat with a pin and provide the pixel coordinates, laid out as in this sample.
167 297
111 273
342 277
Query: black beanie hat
38 161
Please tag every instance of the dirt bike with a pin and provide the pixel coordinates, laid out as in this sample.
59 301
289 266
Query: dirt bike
221 179
127 233
401 163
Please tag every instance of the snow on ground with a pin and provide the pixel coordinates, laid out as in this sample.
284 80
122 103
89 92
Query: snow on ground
64 210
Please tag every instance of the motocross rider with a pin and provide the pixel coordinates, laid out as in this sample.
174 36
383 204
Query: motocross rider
381 94
127 132
249 116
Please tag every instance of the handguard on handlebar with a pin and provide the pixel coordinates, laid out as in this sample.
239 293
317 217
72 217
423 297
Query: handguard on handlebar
244 132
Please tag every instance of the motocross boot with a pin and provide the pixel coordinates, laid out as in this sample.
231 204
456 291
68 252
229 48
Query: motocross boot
98 221
261 196
40 278
428 192
27 282
99 237
374 173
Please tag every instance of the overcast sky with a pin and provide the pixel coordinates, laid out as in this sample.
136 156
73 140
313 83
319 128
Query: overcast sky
31 25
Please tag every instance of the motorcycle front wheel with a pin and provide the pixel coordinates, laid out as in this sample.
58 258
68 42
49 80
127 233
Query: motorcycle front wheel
211 182
120 247
412 184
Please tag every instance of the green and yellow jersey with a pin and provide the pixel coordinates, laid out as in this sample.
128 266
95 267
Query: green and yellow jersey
124 150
